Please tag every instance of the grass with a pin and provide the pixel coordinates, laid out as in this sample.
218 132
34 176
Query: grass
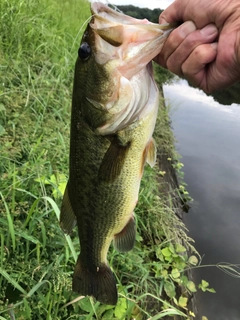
39 41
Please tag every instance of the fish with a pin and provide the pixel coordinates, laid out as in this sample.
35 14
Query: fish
114 108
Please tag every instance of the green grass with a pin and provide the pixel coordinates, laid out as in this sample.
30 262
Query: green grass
39 41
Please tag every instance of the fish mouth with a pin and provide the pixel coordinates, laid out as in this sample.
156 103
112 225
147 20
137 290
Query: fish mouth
123 38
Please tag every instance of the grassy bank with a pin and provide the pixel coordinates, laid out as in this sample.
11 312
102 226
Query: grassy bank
39 42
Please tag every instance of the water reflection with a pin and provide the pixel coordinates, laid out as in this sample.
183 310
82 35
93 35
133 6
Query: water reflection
208 136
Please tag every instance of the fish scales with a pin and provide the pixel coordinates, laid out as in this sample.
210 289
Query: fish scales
114 110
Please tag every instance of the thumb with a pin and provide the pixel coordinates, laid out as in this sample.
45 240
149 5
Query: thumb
161 19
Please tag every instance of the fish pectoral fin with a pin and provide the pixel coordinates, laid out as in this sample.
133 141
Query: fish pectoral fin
151 153
113 161
125 240
96 281
68 219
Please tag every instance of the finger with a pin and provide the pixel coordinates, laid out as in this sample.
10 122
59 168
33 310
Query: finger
176 37
196 38
162 20
201 13
195 68
173 13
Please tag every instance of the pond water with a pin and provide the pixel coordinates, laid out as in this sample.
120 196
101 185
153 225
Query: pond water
208 139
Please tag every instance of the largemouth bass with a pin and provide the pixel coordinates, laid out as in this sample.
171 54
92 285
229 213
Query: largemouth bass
114 109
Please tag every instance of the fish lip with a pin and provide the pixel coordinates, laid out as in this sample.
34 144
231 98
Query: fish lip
106 14
124 36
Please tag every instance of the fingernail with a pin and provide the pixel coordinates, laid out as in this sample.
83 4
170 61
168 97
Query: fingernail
209 30
186 28
214 45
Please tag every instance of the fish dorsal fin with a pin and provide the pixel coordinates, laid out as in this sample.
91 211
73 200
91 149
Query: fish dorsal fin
68 219
113 161
151 156
124 241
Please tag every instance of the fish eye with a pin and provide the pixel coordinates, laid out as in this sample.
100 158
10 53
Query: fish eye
84 51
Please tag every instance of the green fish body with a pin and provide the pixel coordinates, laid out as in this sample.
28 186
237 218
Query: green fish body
114 109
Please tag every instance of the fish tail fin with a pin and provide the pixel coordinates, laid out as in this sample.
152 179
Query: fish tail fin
99 283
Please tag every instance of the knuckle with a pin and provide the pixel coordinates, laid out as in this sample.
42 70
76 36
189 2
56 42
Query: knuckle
186 70
192 41
173 65
199 53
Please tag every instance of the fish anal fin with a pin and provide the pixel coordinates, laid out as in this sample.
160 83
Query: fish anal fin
113 161
68 219
125 240
97 281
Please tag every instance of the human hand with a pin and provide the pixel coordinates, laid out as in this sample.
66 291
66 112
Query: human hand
206 52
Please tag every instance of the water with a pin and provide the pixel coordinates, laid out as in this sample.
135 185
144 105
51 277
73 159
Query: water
208 136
